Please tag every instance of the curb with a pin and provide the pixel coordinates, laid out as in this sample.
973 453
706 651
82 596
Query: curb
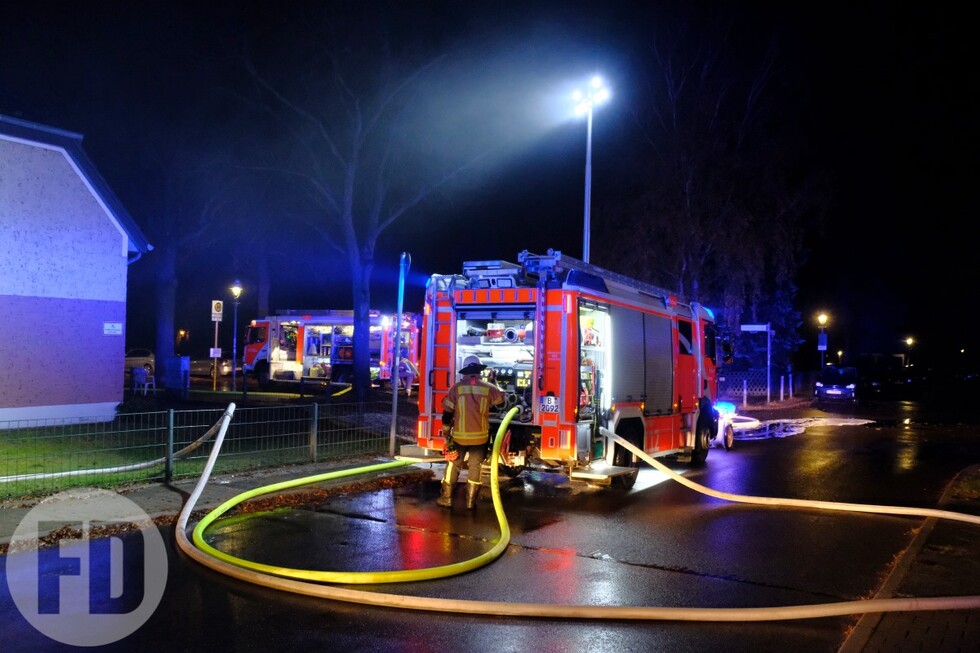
863 632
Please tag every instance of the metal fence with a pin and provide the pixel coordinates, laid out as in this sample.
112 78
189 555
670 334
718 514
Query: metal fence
40 457
756 387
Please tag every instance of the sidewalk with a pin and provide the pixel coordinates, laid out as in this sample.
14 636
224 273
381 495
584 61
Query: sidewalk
942 560
163 502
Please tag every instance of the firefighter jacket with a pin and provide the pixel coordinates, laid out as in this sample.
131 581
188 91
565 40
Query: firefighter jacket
470 401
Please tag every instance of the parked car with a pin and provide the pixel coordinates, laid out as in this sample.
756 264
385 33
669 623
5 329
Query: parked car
835 383
205 367
140 358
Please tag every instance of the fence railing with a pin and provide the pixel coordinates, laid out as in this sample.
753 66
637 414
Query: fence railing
755 386
44 456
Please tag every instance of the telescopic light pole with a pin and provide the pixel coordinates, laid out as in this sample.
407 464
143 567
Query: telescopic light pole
584 103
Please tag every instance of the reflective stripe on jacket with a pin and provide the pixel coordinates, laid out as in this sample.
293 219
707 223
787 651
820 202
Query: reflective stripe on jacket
470 400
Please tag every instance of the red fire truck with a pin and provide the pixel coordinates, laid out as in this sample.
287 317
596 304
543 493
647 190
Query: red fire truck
318 346
577 348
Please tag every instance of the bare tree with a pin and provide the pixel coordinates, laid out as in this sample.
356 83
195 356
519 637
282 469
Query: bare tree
346 136
722 205
191 193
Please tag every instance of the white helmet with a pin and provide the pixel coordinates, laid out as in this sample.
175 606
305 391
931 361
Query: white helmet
472 365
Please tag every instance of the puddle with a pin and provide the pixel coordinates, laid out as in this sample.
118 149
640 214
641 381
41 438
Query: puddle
783 428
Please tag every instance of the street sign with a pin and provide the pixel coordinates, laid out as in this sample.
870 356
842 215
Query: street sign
217 306
755 327
821 342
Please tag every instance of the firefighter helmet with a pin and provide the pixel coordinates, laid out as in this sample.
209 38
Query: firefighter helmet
472 365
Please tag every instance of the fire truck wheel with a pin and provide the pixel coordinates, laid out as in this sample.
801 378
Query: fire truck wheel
622 457
702 441
262 375
632 431
728 439
625 481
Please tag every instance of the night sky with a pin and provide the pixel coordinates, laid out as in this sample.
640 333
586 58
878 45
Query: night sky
889 113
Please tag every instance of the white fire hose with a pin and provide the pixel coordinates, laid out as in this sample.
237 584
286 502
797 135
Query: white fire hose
246 571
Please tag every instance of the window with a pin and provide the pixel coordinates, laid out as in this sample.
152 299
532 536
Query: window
685 337
256 334
711 342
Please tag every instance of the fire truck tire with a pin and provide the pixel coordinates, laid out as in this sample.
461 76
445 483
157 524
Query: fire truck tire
625 481
262 375
623 457
702 442
728 438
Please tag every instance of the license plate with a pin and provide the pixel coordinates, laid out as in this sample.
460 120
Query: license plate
549 404
833 392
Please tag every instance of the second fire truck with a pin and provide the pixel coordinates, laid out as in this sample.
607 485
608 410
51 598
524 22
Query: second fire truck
318 346
576 348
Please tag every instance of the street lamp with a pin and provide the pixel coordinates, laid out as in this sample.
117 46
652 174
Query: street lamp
909 342
822 337
584 102
236 292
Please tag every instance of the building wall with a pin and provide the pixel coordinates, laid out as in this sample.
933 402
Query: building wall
63 272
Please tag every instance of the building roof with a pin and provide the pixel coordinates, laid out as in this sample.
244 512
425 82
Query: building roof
71 143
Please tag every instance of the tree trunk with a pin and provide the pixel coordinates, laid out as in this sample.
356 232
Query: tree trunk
166 300
264 282
361 283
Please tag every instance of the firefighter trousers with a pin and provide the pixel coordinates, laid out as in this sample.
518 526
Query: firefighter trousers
473 455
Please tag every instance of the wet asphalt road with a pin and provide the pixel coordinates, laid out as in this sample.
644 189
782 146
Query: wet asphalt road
659 544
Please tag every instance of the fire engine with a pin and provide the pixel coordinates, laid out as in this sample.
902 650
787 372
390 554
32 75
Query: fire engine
577 348
318 346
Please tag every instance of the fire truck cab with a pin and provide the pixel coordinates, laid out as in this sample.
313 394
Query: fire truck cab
318 346
576 348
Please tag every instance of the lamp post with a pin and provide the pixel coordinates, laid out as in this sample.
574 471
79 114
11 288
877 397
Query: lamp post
822 337
909 342
236 292
584 103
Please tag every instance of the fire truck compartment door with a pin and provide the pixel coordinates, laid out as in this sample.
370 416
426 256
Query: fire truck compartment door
646 377
627 383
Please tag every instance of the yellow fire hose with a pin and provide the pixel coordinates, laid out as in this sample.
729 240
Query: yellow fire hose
306 582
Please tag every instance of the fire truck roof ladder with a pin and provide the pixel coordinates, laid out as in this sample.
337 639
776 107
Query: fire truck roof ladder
491 274
554 262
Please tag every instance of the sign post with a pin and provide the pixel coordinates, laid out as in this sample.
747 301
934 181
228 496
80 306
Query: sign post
217 307
405 264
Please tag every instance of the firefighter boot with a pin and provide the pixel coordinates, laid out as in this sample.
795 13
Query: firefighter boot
446 498
472 492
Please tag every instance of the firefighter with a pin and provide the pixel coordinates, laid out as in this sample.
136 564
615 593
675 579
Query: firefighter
466 416
407 373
